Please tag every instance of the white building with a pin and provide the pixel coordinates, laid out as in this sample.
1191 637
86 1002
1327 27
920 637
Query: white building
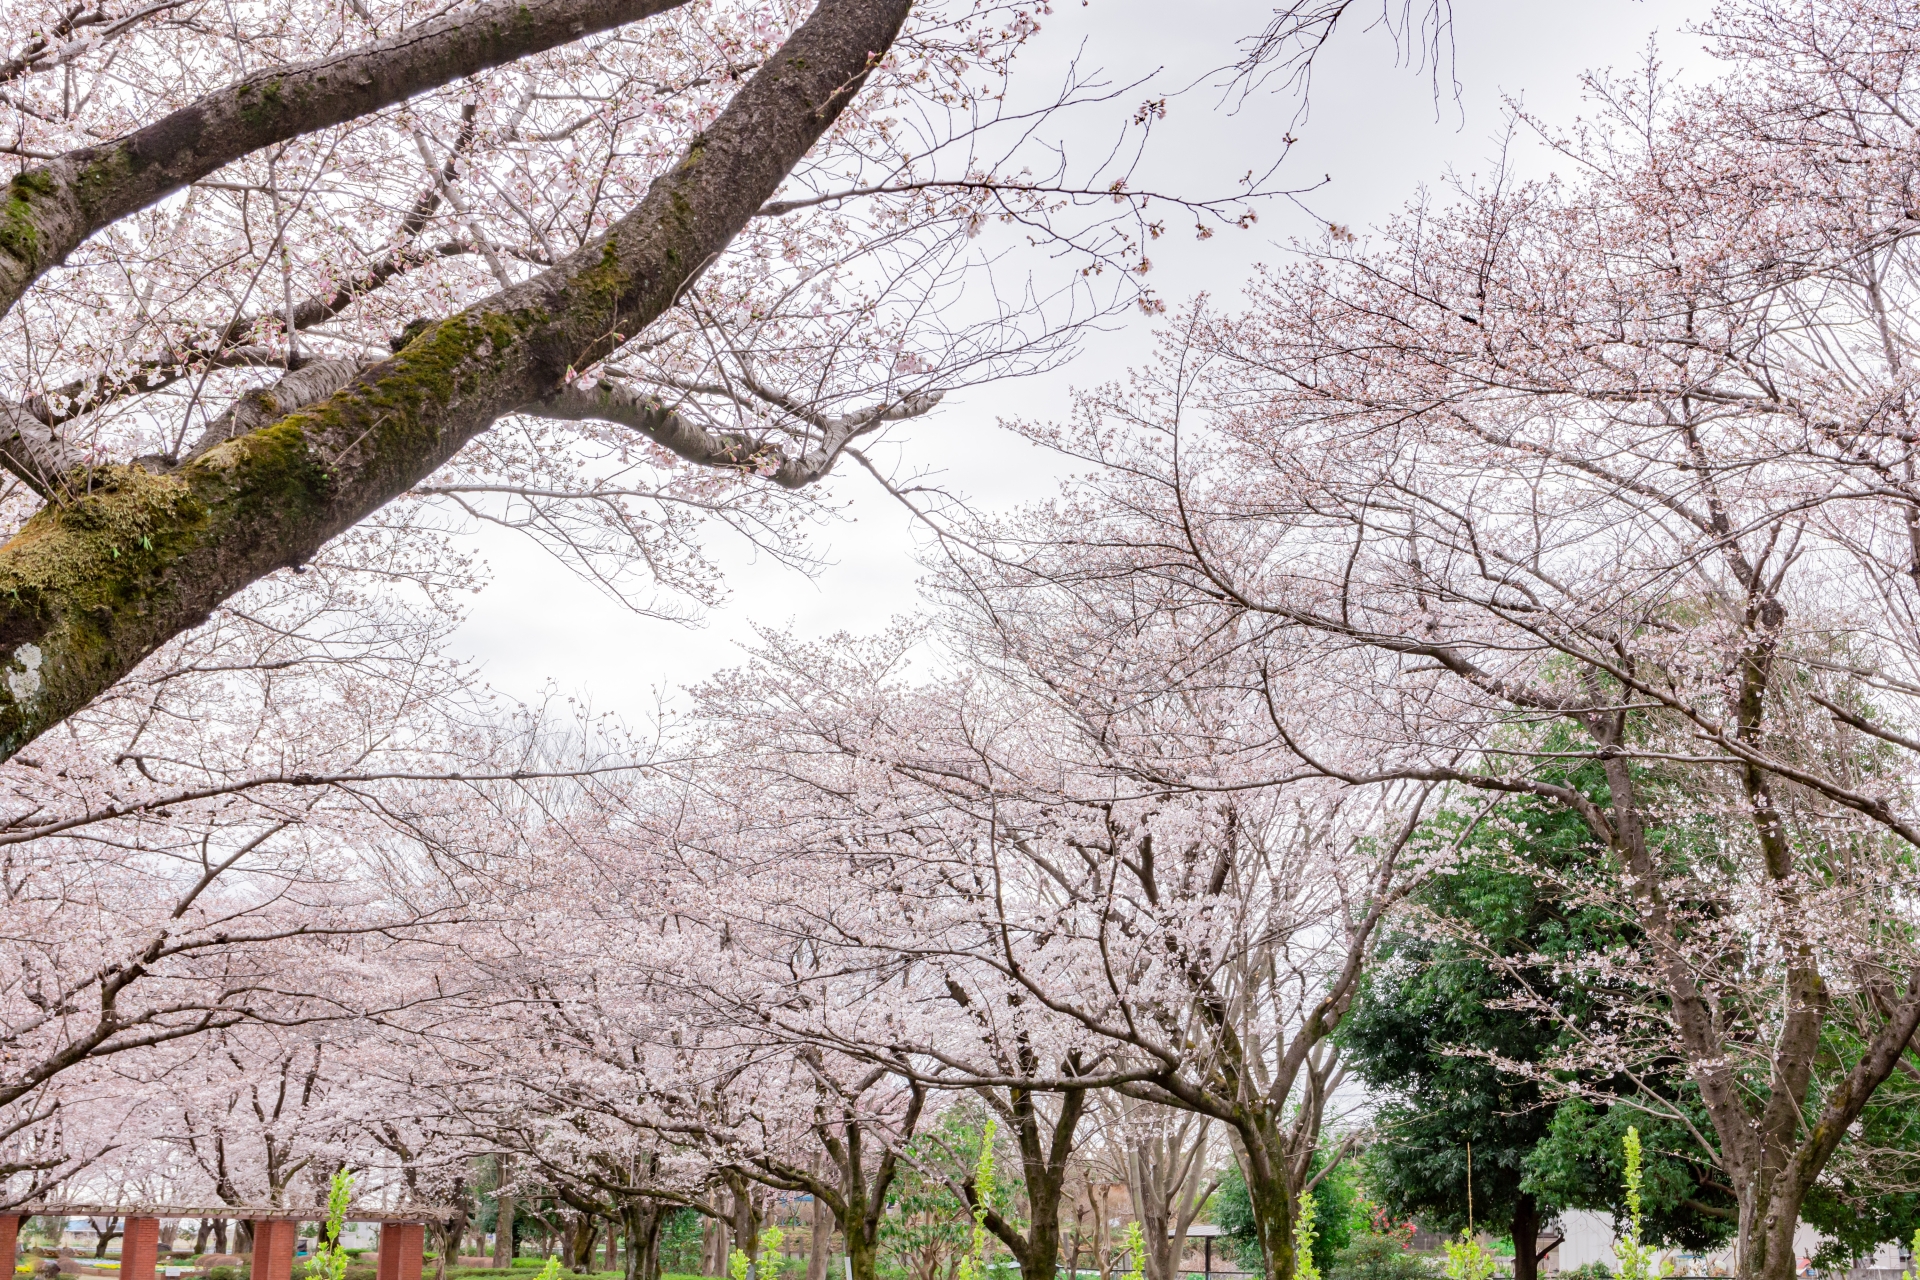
1588 1237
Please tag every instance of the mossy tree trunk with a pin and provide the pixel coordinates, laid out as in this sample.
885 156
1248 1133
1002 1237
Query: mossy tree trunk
641 1220
123 559
1044 1151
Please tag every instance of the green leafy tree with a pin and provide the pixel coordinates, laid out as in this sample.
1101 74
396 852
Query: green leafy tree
1444 1007
1581 1164
681 1237
1339 1213
1434 1010
929 1232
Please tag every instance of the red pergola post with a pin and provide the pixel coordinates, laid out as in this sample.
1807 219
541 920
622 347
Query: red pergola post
273 1240
10 1240
401 1244
139 1248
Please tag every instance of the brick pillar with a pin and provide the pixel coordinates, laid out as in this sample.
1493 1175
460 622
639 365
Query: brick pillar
401 1244
273 1240
10 1241
139 1247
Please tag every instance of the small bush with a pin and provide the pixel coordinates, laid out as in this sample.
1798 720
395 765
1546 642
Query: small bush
1377 1257
1589 1271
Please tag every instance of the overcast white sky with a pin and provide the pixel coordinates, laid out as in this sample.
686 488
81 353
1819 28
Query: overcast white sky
1374 133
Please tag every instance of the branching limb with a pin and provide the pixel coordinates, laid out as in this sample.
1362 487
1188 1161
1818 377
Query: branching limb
48 211
630 406
306 385
30 450
90 589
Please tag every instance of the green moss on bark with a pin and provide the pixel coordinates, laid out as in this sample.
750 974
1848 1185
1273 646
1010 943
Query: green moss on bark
19 232
260 106
102 176
384 412
83 571
85 574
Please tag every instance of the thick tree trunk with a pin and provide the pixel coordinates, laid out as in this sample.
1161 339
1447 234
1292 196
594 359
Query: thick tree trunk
1767 1251
92 585
1043 1165
503 1221
820 1241
585 1228
1526 1238
1273 1204
641 1220
746 1220
863 1254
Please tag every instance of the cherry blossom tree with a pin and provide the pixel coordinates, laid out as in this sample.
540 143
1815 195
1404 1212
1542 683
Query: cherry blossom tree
1610 473
257 829
686 257
1171 1164
1079 836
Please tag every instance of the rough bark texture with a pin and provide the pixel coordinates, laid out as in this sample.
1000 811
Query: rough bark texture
503 1220
580 1231
96 582
1044 1152
48 211
820 1241
1270 1195
1526 1238
642 1220
1167 1182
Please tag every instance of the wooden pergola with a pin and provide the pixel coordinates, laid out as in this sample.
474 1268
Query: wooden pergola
275 1229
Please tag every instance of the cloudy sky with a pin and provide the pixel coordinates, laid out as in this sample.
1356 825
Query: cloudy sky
1373 138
